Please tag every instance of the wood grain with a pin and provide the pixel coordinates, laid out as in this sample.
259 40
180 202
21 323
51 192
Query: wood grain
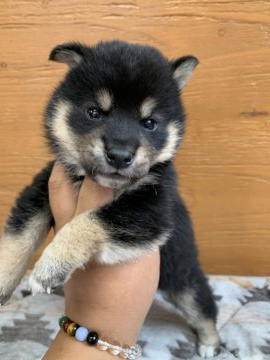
225 160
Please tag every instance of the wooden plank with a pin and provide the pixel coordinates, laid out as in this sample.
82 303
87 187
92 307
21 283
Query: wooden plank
225 158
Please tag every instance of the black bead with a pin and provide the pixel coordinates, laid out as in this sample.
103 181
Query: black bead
92 338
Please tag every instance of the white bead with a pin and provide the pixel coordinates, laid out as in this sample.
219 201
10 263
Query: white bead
115 348
102 344
124 352
135 351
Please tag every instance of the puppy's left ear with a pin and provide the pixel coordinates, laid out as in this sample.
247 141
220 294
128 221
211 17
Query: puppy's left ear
183 69
71 54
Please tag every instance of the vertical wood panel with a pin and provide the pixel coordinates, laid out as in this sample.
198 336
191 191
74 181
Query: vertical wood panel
225 160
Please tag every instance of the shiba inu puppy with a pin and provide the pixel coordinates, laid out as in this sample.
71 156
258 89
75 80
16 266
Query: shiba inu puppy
117 118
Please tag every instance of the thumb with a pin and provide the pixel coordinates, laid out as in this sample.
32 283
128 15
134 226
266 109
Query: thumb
92 196
62 196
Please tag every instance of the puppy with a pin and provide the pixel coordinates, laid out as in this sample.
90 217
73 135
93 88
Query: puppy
117 118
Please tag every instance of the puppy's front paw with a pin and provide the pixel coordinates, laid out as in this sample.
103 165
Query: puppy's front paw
48 274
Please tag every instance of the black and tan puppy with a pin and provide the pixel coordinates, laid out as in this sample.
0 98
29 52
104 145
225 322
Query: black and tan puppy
117 118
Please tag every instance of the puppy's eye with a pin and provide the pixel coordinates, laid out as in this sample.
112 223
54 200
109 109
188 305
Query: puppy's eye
150 124
93 113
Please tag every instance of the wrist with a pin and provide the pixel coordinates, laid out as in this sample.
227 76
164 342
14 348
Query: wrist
68 348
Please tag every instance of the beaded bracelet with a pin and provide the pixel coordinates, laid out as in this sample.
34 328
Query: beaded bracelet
92 338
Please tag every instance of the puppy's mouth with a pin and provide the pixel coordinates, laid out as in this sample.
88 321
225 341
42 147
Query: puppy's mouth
114 177
112 180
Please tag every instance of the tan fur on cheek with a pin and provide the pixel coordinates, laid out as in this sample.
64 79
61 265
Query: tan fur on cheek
170 147
91 149
144 154
96 147
141 156
61 131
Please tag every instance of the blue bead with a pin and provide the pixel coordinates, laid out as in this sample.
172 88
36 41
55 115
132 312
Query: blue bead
81 333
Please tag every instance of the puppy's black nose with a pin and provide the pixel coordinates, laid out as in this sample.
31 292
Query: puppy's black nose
119 158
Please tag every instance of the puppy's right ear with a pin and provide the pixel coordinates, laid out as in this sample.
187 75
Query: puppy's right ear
71 54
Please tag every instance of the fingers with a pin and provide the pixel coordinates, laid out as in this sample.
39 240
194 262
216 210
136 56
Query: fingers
65 200
62 196
92 196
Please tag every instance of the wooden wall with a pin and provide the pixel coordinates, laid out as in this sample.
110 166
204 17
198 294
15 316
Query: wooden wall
225 160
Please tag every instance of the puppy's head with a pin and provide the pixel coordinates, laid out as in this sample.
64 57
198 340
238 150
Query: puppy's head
117 112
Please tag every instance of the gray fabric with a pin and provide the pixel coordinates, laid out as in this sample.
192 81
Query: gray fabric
28 324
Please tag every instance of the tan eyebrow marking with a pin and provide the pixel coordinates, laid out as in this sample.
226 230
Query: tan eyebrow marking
104 99
147 107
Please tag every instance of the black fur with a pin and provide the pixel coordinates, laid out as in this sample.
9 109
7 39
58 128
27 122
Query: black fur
140 216
33 199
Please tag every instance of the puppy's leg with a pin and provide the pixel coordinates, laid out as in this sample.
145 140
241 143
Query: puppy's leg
110 234
188 289
183 279
195 300
25 229
86 237
73 246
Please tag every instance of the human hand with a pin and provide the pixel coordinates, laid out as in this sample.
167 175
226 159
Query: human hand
67 200
112 300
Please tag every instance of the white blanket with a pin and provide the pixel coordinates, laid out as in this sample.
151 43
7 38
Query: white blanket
28 324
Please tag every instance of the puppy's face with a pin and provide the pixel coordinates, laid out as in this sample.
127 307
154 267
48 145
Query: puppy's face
117 113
